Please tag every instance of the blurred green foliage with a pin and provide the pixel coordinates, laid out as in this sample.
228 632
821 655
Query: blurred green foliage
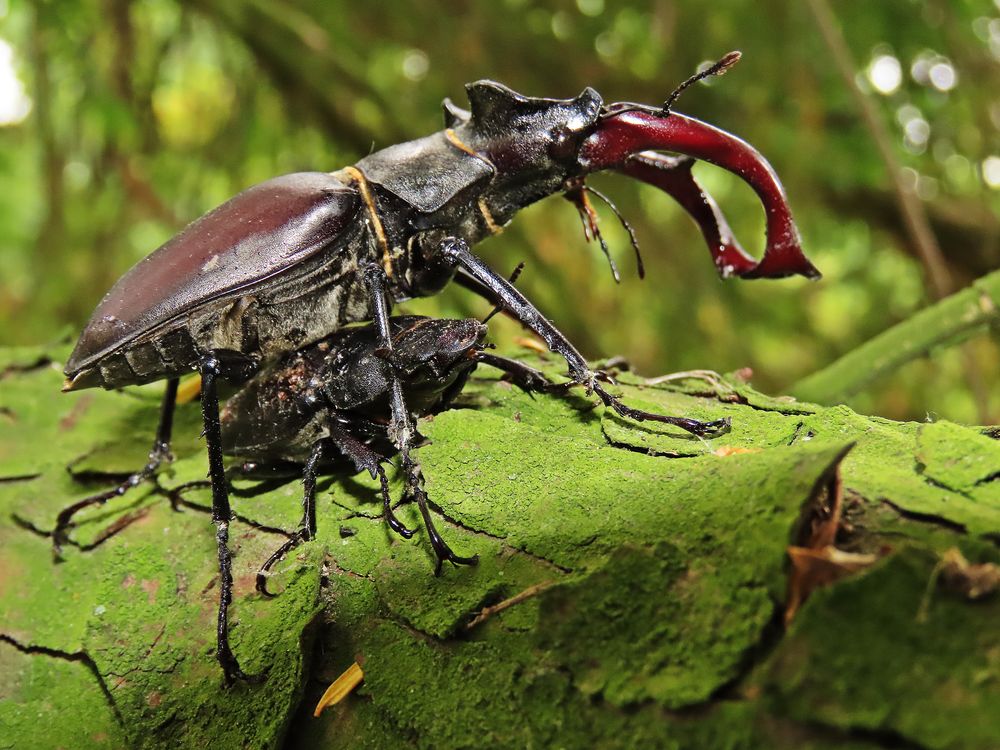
146 113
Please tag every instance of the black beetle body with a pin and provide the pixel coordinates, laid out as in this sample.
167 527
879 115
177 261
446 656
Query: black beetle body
253 276
341 381
332 400
275 268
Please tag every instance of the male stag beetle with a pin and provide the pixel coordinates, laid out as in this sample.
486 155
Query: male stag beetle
331 400
293 259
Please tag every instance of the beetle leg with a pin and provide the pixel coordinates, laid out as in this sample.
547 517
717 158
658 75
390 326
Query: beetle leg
211 369
293 541
307 526
513 280
524 377
401 430
518 305
411 471
308 523
159 453
365 459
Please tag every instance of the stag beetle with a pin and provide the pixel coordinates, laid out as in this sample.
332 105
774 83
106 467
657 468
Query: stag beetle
332 400
293 259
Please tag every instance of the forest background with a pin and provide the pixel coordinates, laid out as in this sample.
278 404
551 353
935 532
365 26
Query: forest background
123 120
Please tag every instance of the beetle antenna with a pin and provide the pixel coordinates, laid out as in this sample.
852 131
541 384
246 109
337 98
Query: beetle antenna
513 278
640 267
717 69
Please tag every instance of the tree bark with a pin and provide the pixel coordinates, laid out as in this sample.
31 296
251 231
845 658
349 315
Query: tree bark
632 581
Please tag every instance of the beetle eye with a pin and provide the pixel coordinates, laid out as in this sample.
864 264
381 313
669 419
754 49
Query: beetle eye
562 144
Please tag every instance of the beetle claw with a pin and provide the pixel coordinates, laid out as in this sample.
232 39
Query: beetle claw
627 136
456 560
695 427
712 429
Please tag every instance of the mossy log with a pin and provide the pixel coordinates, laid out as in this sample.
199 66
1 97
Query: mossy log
649 574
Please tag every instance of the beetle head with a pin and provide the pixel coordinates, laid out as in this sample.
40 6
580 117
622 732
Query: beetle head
533 143
427 350
543 146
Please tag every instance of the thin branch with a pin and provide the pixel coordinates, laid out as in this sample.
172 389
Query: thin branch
487 612
944 323
915 219
914 216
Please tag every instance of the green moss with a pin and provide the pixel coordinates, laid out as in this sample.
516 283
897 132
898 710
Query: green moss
664 559
32 715
966 464
646 626
862 658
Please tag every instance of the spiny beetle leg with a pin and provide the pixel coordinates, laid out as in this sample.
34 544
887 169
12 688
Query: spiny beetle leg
159 453
442 551
307 526
294 541
390 515
308 523
365 459
700 429
524 377
457 250
211 369
401 430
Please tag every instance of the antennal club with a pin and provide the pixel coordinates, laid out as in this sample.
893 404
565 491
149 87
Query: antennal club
717 69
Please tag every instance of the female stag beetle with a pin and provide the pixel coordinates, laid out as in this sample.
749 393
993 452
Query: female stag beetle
331 401
293 259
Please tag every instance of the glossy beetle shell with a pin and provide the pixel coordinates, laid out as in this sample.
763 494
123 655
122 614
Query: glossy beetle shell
224 255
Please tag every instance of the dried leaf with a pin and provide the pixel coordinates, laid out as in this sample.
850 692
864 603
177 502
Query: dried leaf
818 562
971 580
189 390
814 568
732 450
340 688
534 345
